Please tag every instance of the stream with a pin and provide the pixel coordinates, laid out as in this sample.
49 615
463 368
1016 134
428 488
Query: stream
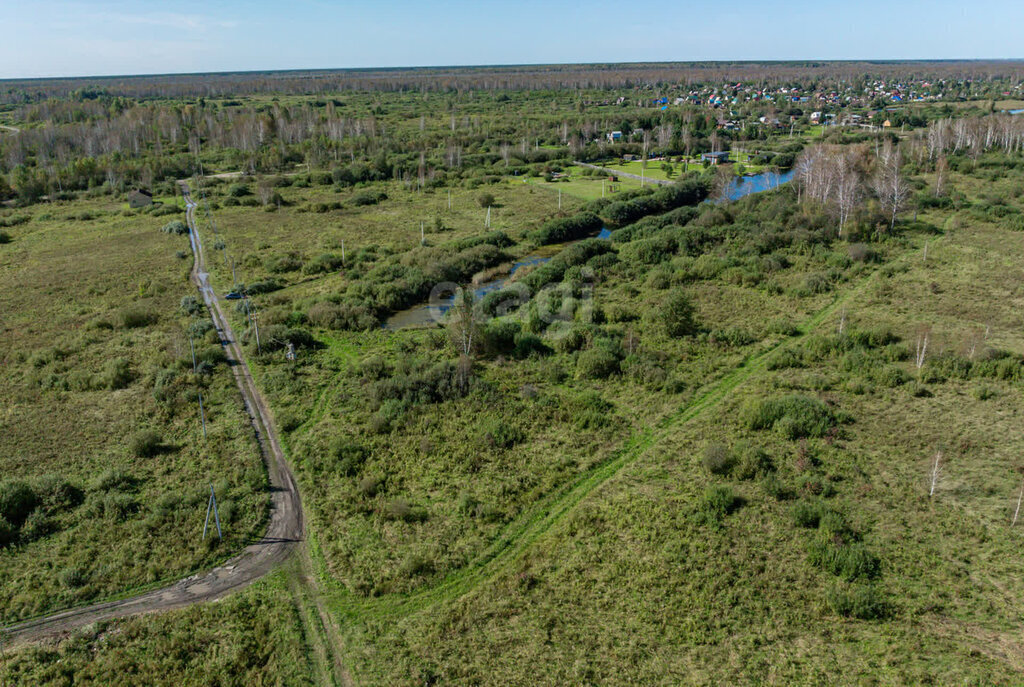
428 313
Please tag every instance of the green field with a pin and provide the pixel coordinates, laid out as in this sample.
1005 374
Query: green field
101 431
717 443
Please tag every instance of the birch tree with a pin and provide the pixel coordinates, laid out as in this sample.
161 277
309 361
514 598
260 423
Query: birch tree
893 191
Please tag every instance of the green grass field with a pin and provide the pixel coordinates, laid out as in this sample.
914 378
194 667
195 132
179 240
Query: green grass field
96 354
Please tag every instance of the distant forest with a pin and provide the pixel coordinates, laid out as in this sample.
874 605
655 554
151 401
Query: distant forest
515 77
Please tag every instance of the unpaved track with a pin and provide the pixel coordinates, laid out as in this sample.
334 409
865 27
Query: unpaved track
284 531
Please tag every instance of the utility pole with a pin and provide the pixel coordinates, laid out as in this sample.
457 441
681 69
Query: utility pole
487 222
423 238
234 278
449 199
559 199
256 327
202 413
602 188
212 505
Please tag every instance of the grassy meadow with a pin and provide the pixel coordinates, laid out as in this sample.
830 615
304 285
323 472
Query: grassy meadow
105 472
726 444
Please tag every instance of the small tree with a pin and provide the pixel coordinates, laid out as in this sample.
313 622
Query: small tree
485 200
678 315
463 328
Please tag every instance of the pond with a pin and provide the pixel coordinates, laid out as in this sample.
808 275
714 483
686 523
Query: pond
431 313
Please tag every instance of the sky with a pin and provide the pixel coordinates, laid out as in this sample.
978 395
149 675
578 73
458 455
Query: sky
40 38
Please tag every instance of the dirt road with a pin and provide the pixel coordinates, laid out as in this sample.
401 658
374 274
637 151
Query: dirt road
283 533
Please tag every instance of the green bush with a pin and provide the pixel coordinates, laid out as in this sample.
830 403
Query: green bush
137 316
795 417
501 434
350 456
176 227
677 315
57 494
718 459
145 444
808 513
17 500
567 228
718 502
117 374
849 561
860 601
753 463
596 363
8 533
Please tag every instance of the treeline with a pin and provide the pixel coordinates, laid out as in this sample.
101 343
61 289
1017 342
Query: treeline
531 77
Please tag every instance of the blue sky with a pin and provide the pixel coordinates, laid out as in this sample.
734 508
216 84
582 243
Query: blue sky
73 38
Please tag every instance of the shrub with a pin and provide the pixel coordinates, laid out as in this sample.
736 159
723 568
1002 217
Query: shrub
145 444
350 455
190 305
368 198
57 494
137 316
568 228
283 263
718 459
718 502
983 392
501 434
857 601
114 479
175 227
36 526
8 533
753 463
4 237
677 315
119 506
17 500
808 513
239 191
117 374
485 200
849 561
596 363
795 416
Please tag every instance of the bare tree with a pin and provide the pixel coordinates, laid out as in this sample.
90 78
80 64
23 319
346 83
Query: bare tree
1020 497
941 167
935 474
893 191
921 347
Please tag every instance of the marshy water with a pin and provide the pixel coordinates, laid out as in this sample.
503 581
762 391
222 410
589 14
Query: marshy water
430 313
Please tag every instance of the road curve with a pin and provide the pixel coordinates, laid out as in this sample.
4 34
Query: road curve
284 530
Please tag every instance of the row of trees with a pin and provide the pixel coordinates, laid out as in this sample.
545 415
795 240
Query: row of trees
974 135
